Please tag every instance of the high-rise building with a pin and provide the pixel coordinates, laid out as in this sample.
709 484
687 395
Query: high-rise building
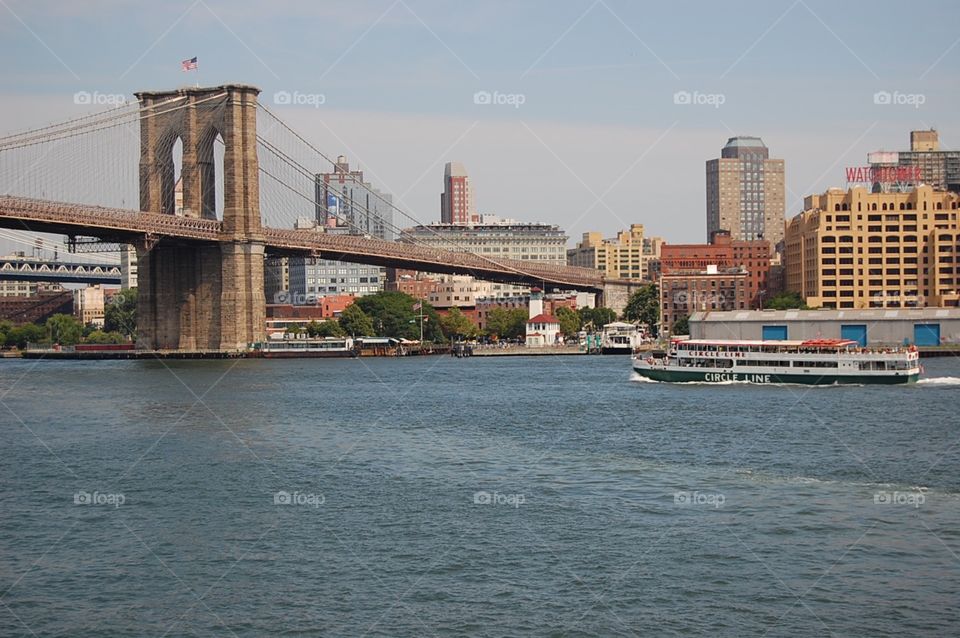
857 249
312 278
746 192
930 165
543 242
345 204
345 200
276 279
456 200
626 257
128 267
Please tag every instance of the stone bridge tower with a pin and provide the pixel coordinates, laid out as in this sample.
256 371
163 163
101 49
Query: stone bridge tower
195 297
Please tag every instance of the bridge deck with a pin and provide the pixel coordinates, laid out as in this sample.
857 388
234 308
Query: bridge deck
126 226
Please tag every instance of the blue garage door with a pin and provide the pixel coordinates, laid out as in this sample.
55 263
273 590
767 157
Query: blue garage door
854 332
926 334
774 333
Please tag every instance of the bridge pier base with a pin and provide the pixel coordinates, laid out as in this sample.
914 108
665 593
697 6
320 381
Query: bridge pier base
242 301
207 298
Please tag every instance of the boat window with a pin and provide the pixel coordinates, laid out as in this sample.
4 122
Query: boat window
764 363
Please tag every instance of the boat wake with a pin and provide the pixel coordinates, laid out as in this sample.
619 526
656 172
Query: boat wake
762 476
639 378
939 381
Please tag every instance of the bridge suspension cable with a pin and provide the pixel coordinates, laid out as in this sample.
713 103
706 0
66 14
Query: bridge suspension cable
65 163
59 246
97 122
401 232
92 159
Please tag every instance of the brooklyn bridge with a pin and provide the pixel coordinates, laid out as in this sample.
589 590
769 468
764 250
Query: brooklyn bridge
201 268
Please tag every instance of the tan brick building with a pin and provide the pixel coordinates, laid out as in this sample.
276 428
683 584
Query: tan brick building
857 249
746 192
626 257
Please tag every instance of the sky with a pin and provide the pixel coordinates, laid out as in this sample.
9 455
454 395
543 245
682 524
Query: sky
589 114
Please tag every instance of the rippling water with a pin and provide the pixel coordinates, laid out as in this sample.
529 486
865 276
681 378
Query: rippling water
490 497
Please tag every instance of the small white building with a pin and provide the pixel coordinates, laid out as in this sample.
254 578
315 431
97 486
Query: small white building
542 329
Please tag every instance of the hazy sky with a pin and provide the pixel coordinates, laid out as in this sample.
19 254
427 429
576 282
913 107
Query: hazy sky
588 133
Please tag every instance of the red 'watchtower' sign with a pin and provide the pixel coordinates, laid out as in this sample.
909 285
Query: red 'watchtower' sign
872 174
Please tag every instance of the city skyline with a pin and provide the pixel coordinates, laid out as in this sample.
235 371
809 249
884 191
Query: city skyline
403 88
404 318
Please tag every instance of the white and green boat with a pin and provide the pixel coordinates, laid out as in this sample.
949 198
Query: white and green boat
811 362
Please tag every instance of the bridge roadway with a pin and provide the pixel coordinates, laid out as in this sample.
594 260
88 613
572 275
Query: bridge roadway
130 226
16 269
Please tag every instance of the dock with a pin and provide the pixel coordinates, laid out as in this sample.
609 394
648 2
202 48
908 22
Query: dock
523 351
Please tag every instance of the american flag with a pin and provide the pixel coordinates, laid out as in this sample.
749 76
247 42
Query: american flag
418 305
189 65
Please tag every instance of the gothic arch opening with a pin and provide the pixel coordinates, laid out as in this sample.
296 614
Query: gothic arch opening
165 172
208 148
219 149
176 158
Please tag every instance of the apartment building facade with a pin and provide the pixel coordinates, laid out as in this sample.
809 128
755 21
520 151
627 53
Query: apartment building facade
860 249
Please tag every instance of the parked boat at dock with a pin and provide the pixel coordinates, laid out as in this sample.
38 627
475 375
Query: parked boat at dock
620 338
321 347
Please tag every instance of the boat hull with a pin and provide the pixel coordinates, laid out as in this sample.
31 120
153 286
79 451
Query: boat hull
673 375
616 350
308 354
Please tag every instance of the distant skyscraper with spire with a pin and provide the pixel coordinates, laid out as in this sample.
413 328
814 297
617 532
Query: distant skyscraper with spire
456 200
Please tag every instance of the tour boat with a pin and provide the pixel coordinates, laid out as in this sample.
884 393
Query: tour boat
813 362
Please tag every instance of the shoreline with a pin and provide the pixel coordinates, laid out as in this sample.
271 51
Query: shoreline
512 351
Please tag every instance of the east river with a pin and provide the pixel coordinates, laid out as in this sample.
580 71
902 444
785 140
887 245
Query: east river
546 496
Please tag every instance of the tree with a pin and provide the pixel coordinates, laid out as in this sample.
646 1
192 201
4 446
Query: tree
329 328
603 316
507 324
120 315
355 322
20 336
644 306
586 317
786 301
394 315
99 336
569 321
5 328
457 324
295 329
681 326
64 329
